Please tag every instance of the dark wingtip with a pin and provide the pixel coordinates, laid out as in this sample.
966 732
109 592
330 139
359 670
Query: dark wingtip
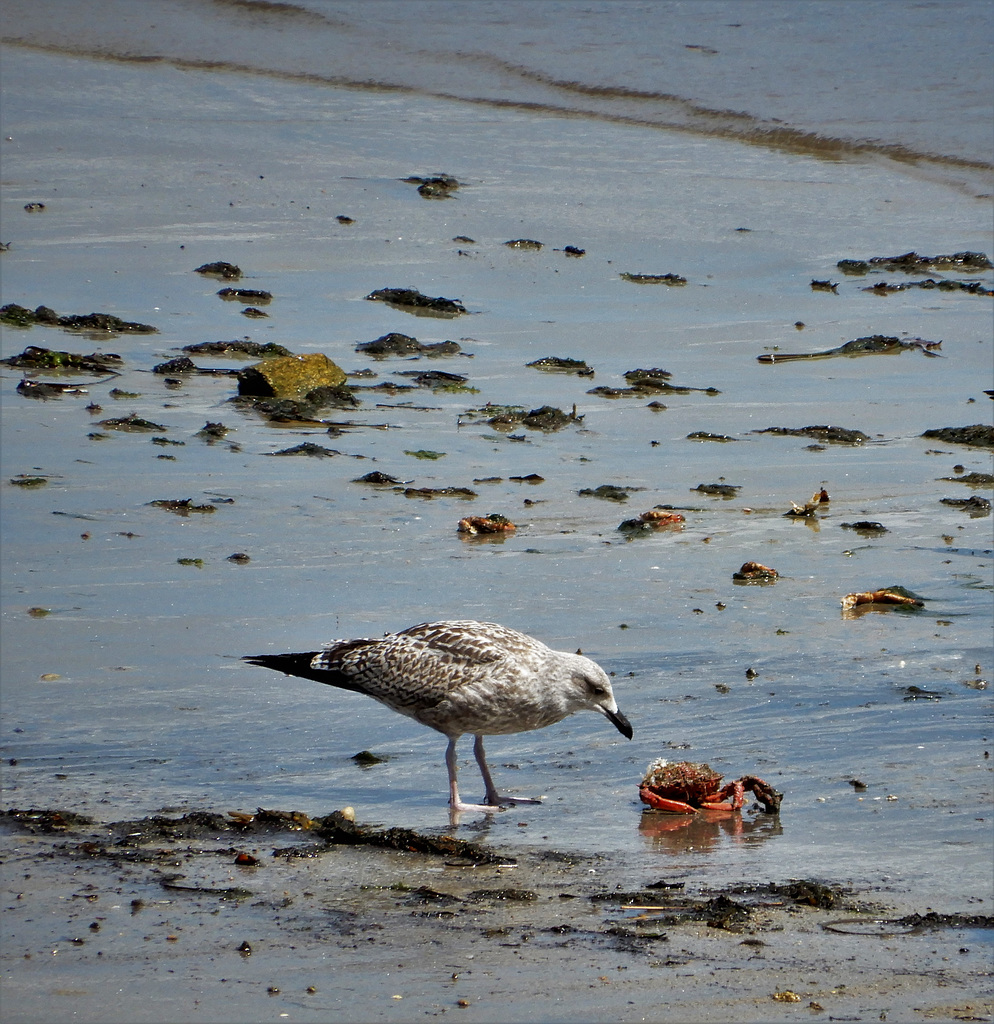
263 660
290 664
302 665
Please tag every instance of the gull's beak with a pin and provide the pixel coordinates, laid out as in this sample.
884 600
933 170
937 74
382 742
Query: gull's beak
622 723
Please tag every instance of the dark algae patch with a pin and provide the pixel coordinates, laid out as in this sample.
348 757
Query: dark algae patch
719 490
933 921
182 506
411 300
980 435
673 280
395 344
646 383
45 820
378 479
45 389
972 479
18 316
439 186
655 373
439 492
36 358
801 892
132 424
438 380
865 527
975 505
220 269
557 364
246 295
305 409
549 418
184 364
833 435
238 347
944 285
335 829
546 417
876 344
912 263
607 492
309 448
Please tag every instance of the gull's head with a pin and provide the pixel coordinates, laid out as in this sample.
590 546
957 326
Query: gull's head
591 689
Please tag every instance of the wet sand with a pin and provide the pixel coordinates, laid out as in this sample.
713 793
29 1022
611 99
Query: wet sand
167 926
123 693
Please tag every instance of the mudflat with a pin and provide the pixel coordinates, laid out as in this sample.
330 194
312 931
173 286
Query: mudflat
275 916
744 446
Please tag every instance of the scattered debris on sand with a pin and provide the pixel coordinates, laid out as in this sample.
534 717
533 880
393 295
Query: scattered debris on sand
439 186
489 524
755 572
887 596
652 520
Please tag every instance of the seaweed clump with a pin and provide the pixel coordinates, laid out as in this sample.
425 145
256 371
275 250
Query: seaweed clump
19 316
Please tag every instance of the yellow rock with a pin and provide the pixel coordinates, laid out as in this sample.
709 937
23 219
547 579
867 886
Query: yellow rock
290 376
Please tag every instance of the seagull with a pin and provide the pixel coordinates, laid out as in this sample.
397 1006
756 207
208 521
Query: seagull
461 676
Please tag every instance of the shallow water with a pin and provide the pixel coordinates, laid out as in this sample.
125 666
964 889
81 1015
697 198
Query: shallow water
882 78
149 170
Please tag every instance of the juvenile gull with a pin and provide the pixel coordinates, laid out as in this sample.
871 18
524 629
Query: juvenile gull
462 677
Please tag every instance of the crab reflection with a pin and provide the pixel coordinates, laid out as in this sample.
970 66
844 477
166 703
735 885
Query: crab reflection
706 830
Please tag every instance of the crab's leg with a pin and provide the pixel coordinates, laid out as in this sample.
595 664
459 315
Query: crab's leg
662 804
735 790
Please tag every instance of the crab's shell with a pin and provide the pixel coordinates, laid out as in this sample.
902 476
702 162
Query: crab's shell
688 781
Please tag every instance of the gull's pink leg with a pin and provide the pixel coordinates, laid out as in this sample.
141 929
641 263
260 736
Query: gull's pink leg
492 796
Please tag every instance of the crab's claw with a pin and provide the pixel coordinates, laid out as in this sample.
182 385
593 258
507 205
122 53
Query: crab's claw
765 793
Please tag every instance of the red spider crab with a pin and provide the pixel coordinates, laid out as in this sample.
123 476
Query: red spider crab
686 787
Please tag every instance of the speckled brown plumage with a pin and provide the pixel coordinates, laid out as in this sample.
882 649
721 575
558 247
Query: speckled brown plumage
462 676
